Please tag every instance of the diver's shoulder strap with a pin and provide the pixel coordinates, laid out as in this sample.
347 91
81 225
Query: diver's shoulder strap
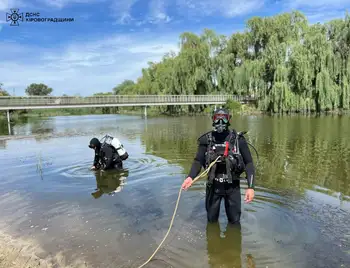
205 139
232 137
239 135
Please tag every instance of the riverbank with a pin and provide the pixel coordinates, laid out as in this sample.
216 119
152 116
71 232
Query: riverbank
151 111
16 252
154 111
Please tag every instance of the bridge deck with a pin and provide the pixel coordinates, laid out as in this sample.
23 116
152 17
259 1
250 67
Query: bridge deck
48 102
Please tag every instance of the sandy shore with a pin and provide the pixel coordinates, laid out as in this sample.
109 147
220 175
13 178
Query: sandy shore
23 253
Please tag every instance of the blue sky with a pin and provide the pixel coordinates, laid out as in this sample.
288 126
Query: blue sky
112 40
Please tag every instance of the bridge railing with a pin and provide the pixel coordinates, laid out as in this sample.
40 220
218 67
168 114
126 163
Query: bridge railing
9 101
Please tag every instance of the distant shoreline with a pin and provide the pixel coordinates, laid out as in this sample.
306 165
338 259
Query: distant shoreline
246 110
152 113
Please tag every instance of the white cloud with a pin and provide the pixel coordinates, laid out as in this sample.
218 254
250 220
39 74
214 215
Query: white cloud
226 8
316 4
158 11
122 10
85 68
1 22
322 17
63 3
6 5
320 10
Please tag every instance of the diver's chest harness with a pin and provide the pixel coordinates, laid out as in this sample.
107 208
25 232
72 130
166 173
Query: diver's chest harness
230 160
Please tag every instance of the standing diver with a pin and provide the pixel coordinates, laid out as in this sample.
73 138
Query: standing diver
223 177
109 154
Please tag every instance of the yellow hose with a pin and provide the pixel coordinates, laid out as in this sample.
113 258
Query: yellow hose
205 172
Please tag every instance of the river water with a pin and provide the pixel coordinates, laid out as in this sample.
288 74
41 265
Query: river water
300 216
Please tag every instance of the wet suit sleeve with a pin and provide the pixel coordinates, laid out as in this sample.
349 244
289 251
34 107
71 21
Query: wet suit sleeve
248 161
96 158
199 161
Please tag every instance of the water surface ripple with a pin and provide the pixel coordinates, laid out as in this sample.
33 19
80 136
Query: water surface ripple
299 218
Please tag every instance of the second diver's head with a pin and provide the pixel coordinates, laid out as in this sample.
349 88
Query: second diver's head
95 144
221 120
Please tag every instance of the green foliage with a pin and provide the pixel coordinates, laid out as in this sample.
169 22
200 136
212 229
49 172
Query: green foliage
125 88
233 106
208 110
38 90
3 92
103 94
288 64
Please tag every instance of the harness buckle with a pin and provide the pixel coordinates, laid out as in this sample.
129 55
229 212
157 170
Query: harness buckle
222 178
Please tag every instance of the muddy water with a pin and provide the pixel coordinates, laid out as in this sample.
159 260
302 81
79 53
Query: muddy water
299 218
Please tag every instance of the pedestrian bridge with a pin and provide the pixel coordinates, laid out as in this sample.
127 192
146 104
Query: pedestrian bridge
8 103
49 102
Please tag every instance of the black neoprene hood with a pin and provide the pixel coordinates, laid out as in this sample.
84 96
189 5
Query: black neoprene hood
95 142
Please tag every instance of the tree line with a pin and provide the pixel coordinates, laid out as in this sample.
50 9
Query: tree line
32 90
288 64
40 89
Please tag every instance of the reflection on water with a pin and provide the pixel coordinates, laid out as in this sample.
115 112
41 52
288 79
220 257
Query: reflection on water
109 182
299 217
224 249
2 144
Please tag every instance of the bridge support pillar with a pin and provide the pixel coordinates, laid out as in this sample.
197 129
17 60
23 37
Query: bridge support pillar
8 122
215 107
145 111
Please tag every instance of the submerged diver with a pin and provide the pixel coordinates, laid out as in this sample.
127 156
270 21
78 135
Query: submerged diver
223 177
109 153
109 182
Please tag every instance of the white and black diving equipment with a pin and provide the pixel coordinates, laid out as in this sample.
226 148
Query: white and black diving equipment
116 144
230 160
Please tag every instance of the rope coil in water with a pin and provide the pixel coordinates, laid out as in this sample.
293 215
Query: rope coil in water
204 173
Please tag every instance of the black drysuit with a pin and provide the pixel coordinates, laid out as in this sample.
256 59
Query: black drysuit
218 190
107 158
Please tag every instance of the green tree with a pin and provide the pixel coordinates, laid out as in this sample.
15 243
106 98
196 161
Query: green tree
283 61
38 90
3 92
124 88
103 94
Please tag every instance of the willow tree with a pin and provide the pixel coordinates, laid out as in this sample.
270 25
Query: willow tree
289 65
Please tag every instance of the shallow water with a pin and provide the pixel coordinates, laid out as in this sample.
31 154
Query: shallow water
299 218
